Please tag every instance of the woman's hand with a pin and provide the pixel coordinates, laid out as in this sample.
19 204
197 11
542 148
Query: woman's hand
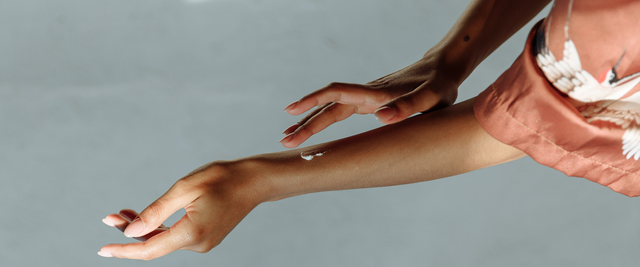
428 84
423 86
215 197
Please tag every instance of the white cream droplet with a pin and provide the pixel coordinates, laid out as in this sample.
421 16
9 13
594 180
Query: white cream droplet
311 155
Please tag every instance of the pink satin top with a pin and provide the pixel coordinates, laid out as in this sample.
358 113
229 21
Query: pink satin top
525 110
601 31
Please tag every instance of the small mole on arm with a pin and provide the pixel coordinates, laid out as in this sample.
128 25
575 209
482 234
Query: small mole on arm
466 38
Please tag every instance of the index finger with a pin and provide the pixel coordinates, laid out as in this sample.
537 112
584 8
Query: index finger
344 93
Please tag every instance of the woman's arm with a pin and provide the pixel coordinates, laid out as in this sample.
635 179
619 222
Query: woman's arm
219 195
481 29
435 145
428 84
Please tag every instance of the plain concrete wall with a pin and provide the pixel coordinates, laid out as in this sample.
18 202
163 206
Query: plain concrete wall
104 104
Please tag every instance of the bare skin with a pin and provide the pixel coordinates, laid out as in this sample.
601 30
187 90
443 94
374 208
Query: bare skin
601 31
428 84
442 143
219 195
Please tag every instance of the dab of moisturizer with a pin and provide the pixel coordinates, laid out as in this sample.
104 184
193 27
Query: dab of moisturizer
312 154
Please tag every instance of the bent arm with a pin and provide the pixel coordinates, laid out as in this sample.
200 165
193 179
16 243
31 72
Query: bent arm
480 30
426 147
428 84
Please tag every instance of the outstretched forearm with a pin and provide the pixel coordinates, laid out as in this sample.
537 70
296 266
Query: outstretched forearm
217 196
480 30
426 147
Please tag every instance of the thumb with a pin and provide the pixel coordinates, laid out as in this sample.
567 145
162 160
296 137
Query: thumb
408 104
155 214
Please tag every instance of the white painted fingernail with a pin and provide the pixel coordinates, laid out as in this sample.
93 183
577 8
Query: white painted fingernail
135 228
105 221
105 254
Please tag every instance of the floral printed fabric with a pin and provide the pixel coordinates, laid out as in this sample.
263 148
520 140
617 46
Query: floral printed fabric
522 108
611 98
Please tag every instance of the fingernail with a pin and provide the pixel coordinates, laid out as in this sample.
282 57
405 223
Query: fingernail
105 254
107 222
291 105
135 228
385 113
291 129
287 138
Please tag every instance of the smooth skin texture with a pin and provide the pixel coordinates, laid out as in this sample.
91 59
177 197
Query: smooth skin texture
426 85
217 196
441 143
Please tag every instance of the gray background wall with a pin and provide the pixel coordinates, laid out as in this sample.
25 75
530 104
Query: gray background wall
104 104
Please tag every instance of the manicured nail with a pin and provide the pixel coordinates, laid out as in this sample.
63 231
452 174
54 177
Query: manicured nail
291 105
135 228
385 114
291 129
105 254
107 222
287 138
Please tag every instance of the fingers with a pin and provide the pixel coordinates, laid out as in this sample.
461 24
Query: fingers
214 205
335 102
157 246
124 218
117 221
306 119
128 214
320 120
311 114
155 214
411 103
344 93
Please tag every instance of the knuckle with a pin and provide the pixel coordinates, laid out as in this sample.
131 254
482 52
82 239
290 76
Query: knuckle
154 211
404 102
210 167
198 179
406 105
219 167
182 185
146 257
450 98
195 236
145 254
200 242
204 247
379 83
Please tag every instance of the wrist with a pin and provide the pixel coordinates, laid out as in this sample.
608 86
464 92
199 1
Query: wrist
285 174
452 62
264 179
